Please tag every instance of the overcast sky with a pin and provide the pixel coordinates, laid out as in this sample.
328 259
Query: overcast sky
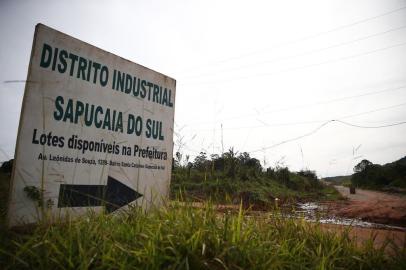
250 74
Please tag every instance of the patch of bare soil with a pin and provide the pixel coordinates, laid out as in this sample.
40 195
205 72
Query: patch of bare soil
389 239
372 206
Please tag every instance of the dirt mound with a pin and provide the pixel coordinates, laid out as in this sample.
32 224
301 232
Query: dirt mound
372 206
384 212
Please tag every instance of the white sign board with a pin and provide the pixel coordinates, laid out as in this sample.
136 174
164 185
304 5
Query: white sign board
96 132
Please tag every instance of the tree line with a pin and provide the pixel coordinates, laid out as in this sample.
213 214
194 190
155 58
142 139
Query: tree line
375 176
234 166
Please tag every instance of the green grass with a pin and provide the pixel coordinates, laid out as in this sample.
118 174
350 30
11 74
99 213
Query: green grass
339 180
261 190
183 237
180 236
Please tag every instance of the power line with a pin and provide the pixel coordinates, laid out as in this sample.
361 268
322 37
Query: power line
312 132
293 139
306 37
307 105
346 98
300 67
15 81
341 99
358 126
320 127
314 121
373 111
300 54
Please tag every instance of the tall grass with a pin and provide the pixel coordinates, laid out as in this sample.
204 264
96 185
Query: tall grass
180 236
261 190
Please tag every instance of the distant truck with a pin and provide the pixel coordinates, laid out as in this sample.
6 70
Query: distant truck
352 189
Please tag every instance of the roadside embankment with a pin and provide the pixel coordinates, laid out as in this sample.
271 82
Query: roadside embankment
372 206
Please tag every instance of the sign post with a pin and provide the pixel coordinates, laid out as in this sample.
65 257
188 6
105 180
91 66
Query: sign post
96 132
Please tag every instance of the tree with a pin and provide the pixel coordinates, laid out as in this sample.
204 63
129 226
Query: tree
7 166
201 162
248 167
270 172
246 160
178 159
218 163
311 176
362 166
283 176
231 162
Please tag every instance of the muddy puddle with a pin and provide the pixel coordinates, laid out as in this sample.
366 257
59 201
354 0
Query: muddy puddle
314 212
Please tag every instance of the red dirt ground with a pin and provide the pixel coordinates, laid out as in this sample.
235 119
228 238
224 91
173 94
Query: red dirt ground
372 206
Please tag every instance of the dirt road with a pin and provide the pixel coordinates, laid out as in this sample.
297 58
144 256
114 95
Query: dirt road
379 237
373 206
367 195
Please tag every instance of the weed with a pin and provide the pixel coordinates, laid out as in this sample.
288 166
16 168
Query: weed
180 236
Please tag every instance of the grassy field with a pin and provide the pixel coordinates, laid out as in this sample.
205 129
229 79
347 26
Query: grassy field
260 191
339 180
183 237
179 236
